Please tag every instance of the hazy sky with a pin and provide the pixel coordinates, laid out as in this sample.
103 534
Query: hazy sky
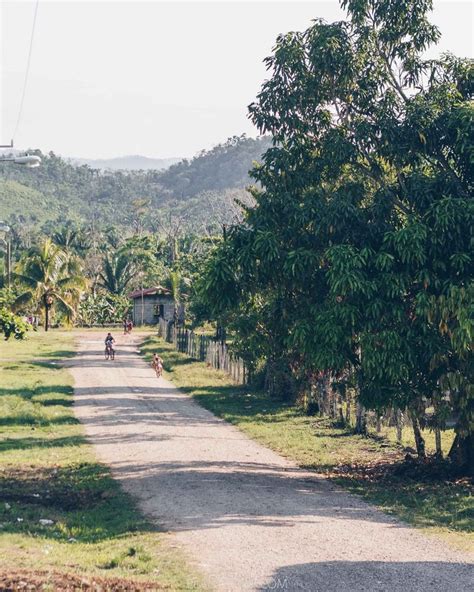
154 78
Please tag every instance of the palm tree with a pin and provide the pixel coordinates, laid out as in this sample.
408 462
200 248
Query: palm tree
50 277
72 239
118 270
176 282
66 237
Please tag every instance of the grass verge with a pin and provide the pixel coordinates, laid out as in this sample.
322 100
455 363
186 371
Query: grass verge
372 467
60 510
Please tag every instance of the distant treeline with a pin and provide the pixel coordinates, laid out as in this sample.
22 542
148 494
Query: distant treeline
59 191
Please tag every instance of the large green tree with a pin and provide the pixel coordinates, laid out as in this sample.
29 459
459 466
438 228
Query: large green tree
357 258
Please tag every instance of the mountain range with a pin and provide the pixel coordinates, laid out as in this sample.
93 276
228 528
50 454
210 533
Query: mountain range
133 162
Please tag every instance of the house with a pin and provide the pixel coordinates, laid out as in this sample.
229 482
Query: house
150 304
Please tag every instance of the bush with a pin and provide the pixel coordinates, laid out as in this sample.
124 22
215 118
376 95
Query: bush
12 324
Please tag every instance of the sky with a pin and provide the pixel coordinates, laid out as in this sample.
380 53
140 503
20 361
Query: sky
160 79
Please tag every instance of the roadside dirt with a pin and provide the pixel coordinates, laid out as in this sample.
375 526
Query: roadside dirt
36 581
250 519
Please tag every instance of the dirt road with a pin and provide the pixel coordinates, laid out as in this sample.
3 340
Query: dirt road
249 518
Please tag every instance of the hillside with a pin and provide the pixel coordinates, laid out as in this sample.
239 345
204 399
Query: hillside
126 163
61 191
225 166
18 199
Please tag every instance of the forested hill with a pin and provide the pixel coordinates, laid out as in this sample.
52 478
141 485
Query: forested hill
59 191
225 166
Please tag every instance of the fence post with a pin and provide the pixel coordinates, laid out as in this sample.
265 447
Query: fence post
201 347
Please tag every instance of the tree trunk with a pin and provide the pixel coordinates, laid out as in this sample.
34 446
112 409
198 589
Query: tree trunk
319 395
325 404
46 316
399 418
378 427
340 409
348 410
419 440
334 403
439 449
361 424
312 400
462 454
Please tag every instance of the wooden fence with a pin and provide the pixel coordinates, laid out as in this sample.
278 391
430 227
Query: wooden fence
203 348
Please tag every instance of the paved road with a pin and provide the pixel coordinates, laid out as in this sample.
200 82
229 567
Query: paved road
251 519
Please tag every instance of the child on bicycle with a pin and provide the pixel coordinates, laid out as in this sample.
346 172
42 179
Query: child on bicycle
157 365
109 345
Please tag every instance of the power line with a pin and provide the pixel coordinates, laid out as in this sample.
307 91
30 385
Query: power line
27 71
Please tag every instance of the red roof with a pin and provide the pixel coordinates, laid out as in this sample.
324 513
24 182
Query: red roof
157 290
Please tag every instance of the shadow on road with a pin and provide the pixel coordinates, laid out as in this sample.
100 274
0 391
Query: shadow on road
372 576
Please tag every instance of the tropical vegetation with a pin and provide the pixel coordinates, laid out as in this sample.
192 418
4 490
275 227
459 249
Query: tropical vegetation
343 277
50 278
352 277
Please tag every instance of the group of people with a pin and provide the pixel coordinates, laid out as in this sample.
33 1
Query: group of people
156 362
32 320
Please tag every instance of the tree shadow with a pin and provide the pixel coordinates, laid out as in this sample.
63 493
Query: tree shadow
59 354
34 442
240 401
114 390
34 391
214 494
36 405
81 500
26 418
50 365
119 410
114 417
96 359
58 401
371 576
198 495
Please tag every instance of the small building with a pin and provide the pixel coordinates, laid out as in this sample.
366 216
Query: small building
151 304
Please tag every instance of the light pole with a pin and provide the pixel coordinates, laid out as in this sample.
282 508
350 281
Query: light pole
29 160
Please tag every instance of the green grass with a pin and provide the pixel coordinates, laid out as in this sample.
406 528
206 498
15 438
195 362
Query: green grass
372 467
49 472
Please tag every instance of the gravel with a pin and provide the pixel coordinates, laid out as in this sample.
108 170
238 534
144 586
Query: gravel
248 518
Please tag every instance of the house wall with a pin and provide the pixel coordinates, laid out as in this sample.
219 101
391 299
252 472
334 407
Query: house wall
151 309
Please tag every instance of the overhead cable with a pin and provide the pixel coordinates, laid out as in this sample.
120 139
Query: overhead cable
27 72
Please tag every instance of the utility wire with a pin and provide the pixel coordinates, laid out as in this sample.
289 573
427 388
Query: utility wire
27 71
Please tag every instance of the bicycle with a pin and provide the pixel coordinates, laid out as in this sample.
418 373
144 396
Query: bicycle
109 352
159 370
157 365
